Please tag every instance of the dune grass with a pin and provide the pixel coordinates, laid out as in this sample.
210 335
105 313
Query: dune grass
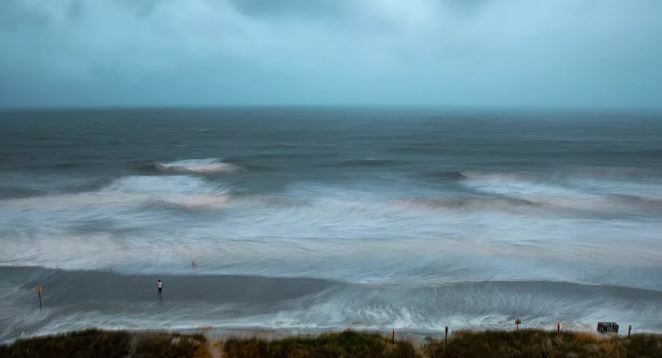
345 344
525 343
112 344
538 343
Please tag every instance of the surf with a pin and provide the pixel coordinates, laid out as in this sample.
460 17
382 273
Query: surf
201 166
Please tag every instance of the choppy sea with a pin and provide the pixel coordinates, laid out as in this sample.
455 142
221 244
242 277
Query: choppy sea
327 218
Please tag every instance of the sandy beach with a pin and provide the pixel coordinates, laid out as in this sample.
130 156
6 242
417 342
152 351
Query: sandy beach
225 305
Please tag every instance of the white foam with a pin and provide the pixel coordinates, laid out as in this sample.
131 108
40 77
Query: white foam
205 166
542 191
181 190
181 184
516 184
128 192
336 232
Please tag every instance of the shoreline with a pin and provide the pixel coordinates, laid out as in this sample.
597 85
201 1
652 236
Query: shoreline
76 300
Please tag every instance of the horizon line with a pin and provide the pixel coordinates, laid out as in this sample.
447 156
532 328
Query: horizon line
449 108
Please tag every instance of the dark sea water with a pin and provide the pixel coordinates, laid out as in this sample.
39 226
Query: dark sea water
326 218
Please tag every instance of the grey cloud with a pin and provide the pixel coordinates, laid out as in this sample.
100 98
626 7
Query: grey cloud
293 8
465 6
14 16
141 7
561 53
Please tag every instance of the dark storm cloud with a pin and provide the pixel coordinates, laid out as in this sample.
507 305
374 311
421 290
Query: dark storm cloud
563 53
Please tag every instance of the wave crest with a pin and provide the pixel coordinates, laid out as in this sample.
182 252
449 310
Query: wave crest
203 166
180 190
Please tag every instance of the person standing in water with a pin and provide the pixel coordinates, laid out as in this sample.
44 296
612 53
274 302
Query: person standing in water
159 287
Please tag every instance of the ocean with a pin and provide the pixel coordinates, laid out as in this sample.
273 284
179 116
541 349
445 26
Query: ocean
318 218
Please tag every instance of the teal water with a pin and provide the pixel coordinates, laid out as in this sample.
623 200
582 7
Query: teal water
384 203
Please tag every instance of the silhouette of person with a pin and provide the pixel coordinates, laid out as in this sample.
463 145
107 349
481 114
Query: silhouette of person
159 287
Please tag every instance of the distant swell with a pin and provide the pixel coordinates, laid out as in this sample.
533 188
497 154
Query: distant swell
452 175
10 192
365 162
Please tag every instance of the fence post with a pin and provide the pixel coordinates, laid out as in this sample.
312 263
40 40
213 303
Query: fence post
446 335
558 327
39 291
393 336
629 330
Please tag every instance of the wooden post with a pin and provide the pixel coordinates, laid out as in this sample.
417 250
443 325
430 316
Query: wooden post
39 291
517 323
558 327
629 330
393 336
445 335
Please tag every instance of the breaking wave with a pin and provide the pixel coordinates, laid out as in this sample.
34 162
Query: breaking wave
126 193
203 166
178 190
571 193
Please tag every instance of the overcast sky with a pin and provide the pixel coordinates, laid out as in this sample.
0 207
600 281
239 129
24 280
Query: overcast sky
512 53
